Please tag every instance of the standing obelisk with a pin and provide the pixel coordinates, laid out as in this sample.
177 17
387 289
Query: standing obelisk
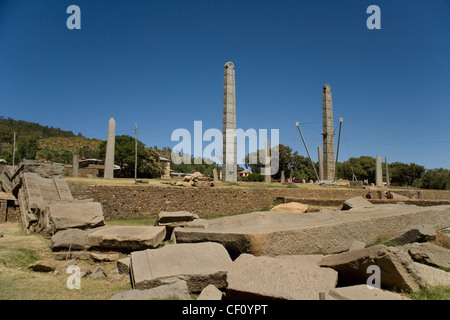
109 159
328 134
229 163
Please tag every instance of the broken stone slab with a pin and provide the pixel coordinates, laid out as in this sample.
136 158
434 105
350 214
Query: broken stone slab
123 265
177 289
127 238
290 207
43 266
81 214
428 253
210 292
104 257
69 239
397 269
421 233
78 255
172 220
198 264
286 278
99 272
357 203
323 232
363 292
165 217
433 276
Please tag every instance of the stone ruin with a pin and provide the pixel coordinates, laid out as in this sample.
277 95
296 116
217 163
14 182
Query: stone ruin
45 200
288 253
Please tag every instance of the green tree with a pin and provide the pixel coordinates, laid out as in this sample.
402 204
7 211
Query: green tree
148 163
436 179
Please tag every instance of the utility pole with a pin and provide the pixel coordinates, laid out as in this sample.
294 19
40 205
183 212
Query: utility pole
337 152
135 155
14 149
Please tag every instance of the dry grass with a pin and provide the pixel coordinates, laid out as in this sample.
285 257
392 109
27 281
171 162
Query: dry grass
17 282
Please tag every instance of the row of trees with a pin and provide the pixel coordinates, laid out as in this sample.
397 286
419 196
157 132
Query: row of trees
34 141
363 168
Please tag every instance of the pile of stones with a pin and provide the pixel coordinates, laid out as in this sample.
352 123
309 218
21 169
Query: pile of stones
195 180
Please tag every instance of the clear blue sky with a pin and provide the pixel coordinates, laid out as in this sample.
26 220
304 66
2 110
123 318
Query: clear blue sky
160 64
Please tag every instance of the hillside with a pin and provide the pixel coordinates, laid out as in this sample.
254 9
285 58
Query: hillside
35 141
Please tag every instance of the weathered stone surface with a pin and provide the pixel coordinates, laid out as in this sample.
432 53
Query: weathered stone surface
82 214
106 257
99 272
433 276
176 289
127 238
397 270
421 233
70 239
43 266
287 278
210 292
165 217
357 203
356 245
362 292
324 232
290 207
198 264
430 254
123 265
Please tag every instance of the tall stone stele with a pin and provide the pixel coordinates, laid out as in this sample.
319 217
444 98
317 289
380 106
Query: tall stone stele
378 172
229 163
110 143
328 135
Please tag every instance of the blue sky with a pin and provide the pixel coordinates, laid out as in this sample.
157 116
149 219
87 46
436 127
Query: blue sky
160 64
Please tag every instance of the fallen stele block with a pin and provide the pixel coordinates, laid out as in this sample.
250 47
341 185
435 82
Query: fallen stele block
396 268
286 277
198 264
363 292
127 238
323 232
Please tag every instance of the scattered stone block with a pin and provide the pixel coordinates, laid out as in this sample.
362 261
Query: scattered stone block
85 271
123 265
99 272
291 207
43 266
198 264
286 278
430 254
362 292
397 270
69 263
421 233
178 289
127 238
433 276
210 292
357 203
70 239
104 257
82 214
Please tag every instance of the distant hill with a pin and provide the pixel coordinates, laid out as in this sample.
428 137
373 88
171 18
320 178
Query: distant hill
29 129
35 141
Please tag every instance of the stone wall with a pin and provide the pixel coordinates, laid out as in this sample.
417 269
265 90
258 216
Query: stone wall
135 201
145 201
